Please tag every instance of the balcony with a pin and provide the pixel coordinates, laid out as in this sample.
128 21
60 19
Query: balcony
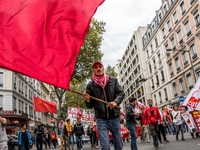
181 41
194 56
190 87
172 73
182 91
175 94
170 29
176 21
178 69
186 63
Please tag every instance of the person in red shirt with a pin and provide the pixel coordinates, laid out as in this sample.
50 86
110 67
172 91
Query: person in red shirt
152 118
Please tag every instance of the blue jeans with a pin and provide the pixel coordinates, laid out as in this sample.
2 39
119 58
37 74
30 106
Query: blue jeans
70 141
39 142
79 141
131 128
103 125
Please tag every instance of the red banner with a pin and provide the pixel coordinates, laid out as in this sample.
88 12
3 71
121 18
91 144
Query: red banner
42 38
41 105
196 118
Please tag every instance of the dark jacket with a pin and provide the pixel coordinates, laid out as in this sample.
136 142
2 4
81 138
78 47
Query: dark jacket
112 92
78 129
130 114
39 132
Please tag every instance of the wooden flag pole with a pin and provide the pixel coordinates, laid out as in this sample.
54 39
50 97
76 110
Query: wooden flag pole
97 99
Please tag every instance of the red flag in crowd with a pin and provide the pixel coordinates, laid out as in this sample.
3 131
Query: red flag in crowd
42 38
41 105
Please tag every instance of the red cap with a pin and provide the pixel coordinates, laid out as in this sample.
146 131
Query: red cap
96 62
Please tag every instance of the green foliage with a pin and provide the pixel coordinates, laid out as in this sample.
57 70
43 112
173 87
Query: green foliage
90 51
110 71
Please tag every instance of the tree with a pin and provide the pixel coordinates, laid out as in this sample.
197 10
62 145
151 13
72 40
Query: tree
90 52
111 71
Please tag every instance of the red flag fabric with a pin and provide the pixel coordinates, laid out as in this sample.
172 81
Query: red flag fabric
41 105
42 38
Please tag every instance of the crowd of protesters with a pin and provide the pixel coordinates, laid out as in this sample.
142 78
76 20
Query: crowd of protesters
155 123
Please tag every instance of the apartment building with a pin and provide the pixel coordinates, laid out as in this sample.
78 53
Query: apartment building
16 100
171 44
131 68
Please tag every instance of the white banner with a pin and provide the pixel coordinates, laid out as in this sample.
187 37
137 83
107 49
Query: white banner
193 100
188 119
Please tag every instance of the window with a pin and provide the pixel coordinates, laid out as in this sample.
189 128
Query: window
151 48
14 103
167 53
187 28
152 83
26 108
166 95
182 6
156 42
174 89
147 54
26 91
157 80
169 25
154 63
196 18
22 106
179 36
160 97
160 16
162 75
171 69
165 8
189 80
197 73
177 64
1 100
173 43
175 17
19 86
150 69
185 58
163 32
159 59
181 85
155 99
1 79
19 106
193 51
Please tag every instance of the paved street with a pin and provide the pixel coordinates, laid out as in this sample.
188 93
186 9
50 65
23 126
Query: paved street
188 144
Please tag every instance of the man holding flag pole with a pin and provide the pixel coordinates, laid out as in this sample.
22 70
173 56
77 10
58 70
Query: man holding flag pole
107 114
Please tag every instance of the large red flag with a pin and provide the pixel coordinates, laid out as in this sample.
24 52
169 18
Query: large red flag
41 105
42 38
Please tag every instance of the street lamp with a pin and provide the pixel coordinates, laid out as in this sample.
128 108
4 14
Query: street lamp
192 65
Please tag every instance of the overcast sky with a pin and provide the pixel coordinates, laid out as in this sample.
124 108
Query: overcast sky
122 18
